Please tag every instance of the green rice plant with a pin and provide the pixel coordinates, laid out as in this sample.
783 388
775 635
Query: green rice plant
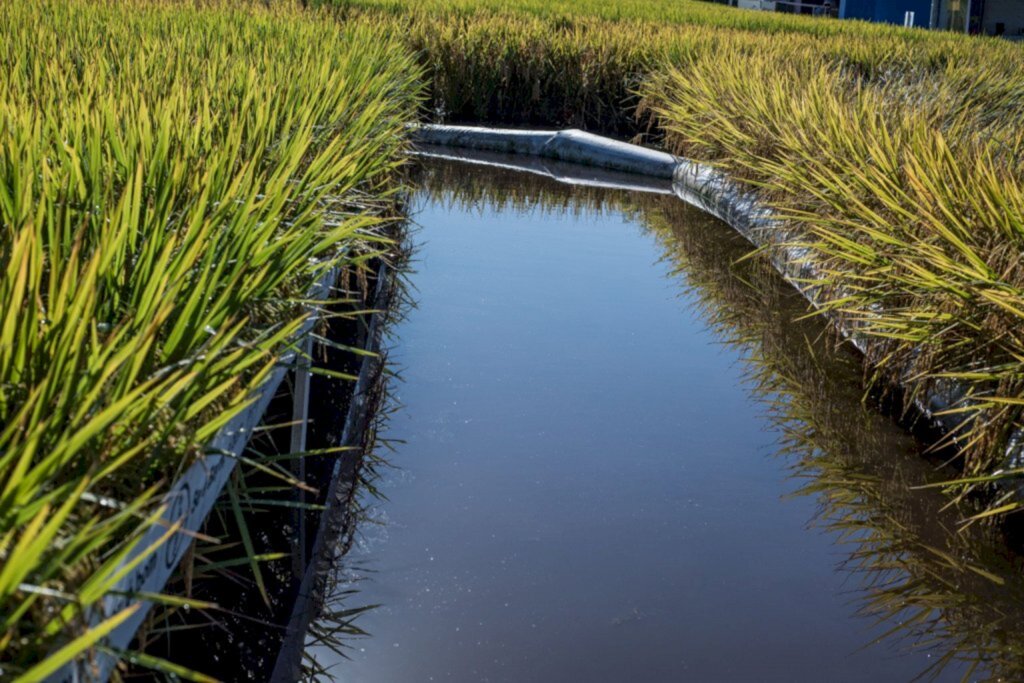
172 179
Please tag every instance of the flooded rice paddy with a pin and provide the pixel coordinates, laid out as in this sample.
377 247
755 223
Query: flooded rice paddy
621 453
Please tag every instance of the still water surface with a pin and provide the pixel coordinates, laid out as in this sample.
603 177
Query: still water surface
604 418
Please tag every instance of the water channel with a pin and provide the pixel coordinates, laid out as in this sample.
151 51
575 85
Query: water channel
621 452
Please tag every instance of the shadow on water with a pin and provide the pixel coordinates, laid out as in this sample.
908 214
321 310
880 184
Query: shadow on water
932 584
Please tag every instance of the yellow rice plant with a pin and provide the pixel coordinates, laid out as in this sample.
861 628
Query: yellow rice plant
907 192
581 63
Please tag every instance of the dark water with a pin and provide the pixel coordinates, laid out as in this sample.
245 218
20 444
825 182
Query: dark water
624 458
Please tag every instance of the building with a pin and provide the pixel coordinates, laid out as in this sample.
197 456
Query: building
989 17
815 7
905 12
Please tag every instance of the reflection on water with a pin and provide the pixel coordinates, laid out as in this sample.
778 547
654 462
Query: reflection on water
937 586
585 490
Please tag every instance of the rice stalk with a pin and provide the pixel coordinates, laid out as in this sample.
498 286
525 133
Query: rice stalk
172 180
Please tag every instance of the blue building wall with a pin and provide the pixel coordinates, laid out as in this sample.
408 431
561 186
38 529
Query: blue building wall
889 11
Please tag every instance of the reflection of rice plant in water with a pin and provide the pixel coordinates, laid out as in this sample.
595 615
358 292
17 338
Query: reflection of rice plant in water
935 585
940 587
173 180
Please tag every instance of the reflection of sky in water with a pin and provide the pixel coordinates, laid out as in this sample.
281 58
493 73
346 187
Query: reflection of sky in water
585 491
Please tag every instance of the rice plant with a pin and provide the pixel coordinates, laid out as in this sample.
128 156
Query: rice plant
173 177
582 63
905 190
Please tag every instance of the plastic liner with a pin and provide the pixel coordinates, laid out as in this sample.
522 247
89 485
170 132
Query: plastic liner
561 171
702 186
571 145
311 593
